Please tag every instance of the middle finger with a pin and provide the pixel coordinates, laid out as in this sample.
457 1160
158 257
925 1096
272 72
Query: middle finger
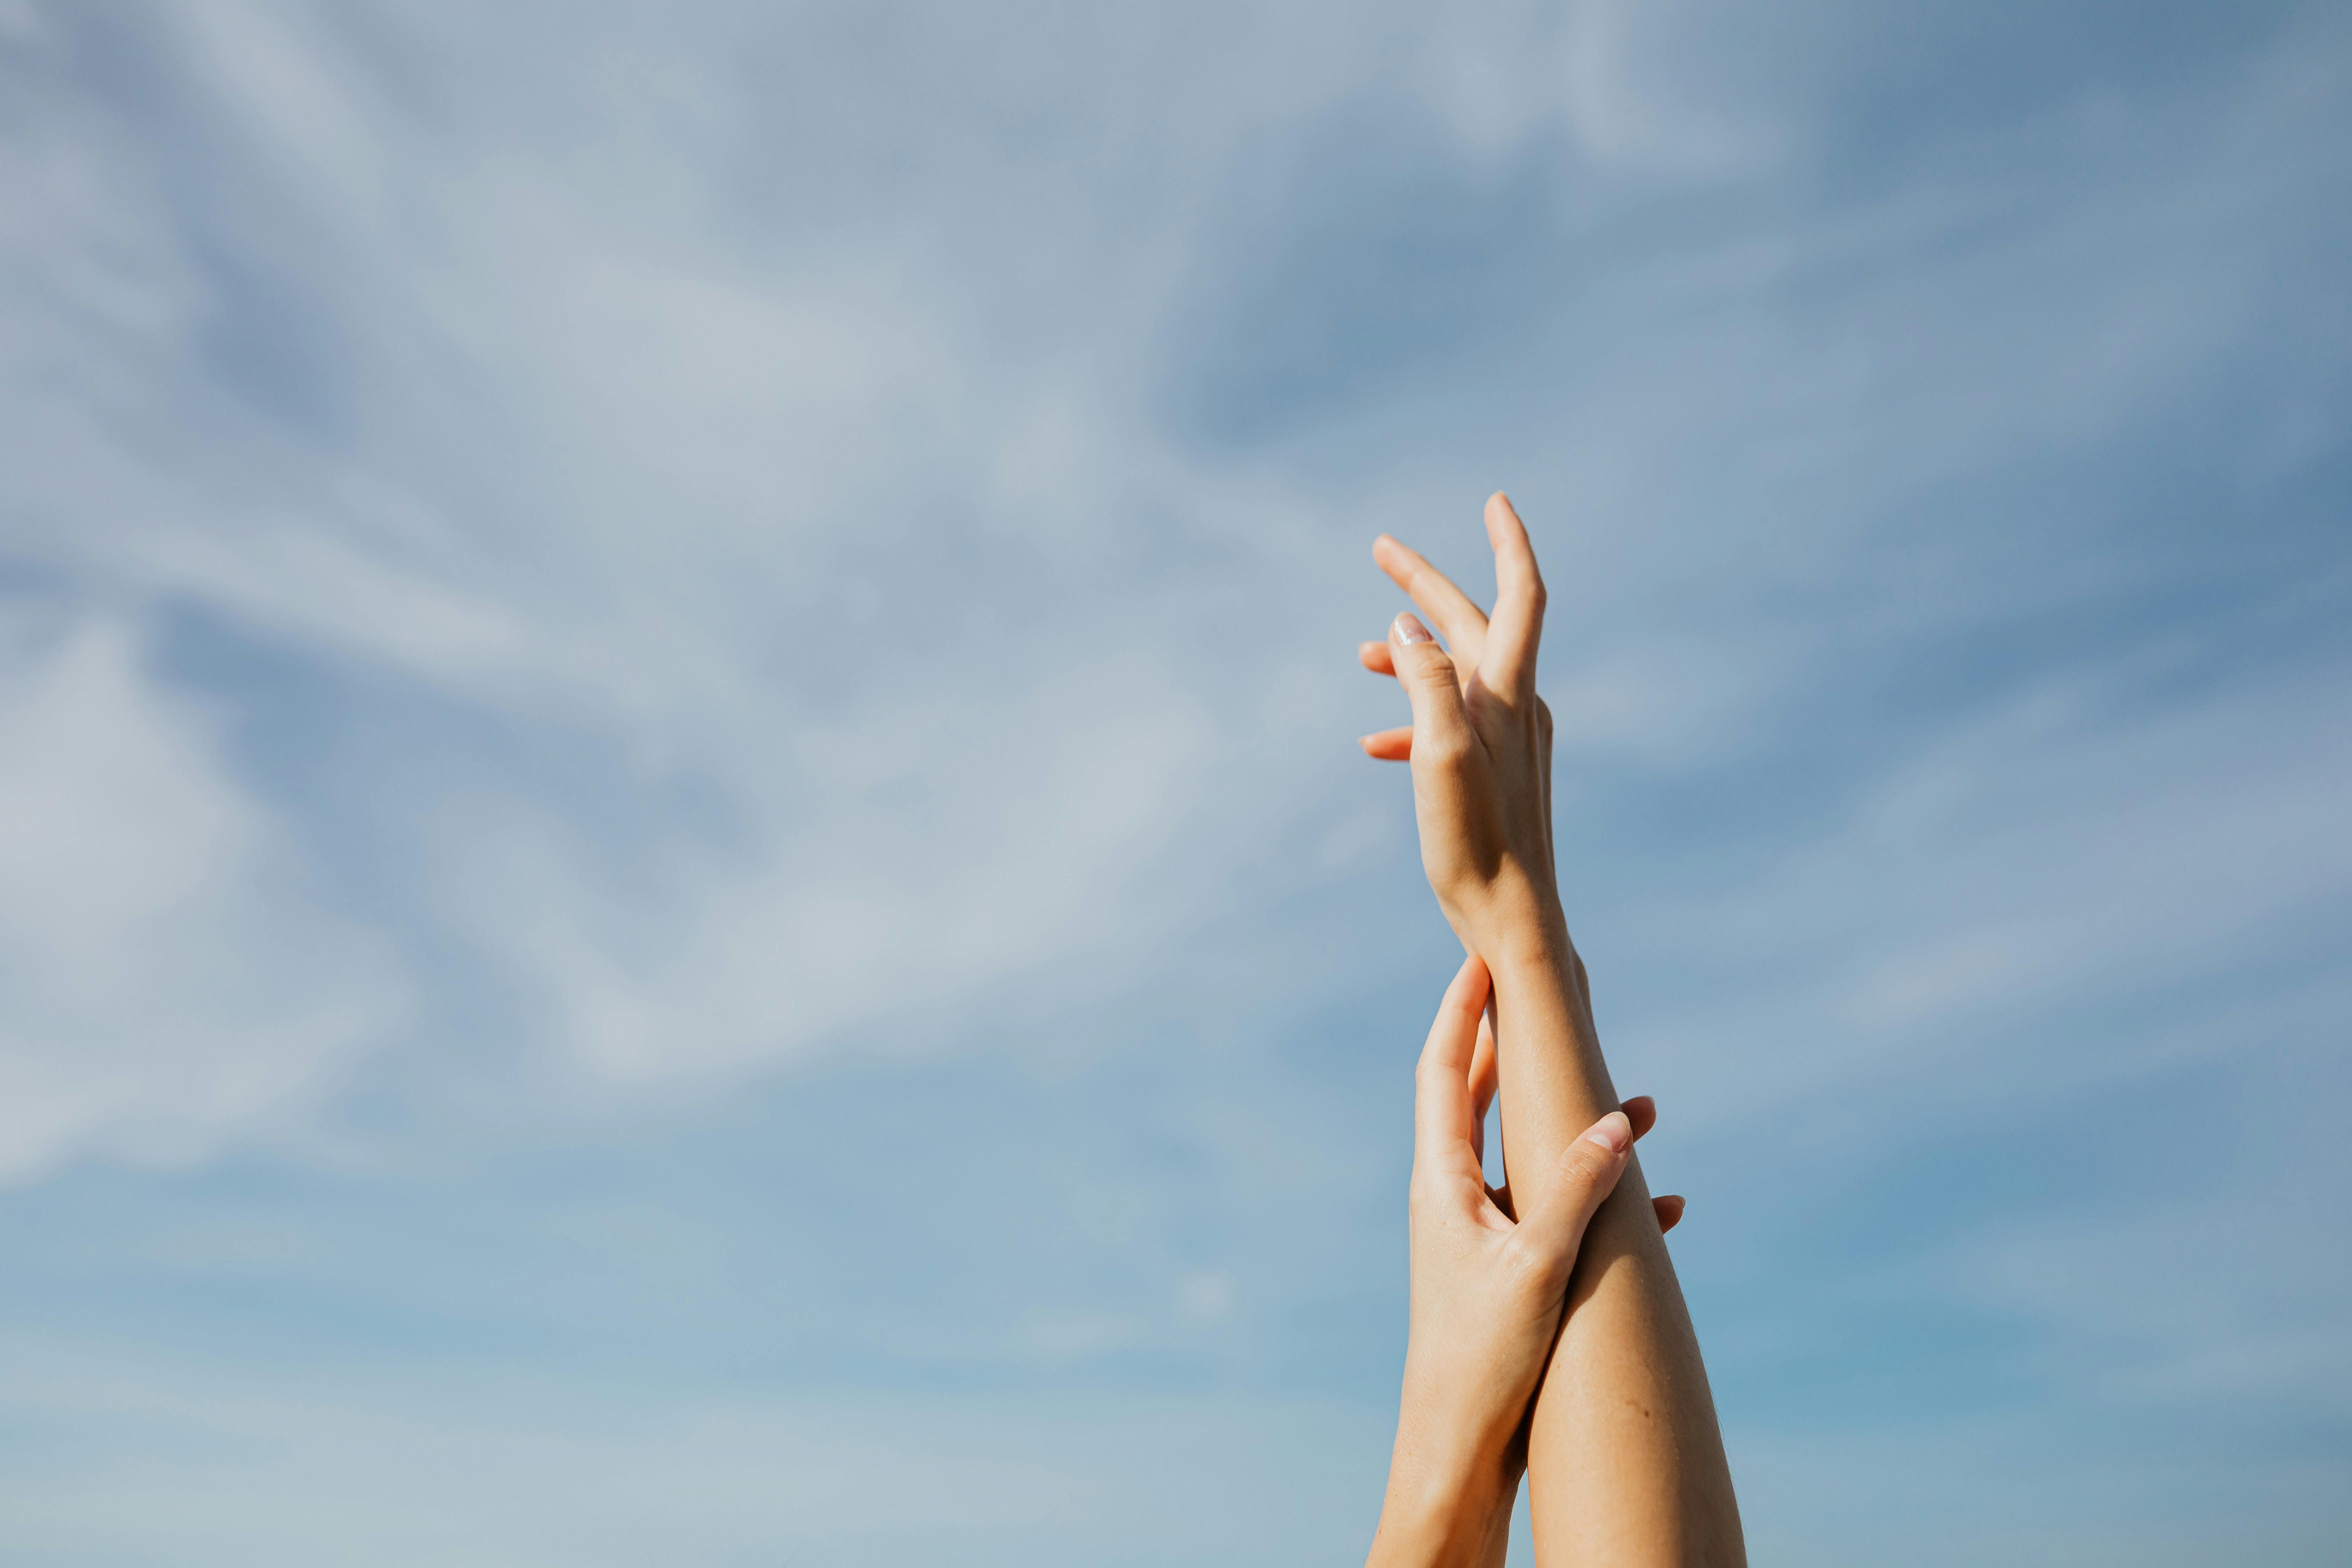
1434 593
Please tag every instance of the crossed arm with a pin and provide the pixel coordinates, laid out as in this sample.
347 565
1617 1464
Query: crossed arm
1615 1427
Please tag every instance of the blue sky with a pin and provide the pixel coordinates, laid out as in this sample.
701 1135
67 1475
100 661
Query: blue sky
682 869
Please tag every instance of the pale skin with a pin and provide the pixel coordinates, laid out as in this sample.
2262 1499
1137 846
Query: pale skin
1488 1295
1623 1457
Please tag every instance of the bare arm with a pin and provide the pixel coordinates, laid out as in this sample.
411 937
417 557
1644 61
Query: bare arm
1625 1461
1488 1295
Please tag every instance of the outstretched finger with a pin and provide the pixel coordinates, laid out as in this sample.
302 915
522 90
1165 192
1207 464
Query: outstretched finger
1434 593
1374 657
1442 1120
1509 661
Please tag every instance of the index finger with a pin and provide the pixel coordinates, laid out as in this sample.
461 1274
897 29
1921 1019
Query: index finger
1442 1120
1434 593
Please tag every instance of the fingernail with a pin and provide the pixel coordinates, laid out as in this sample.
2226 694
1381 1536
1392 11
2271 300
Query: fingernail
1409 631
1613 1132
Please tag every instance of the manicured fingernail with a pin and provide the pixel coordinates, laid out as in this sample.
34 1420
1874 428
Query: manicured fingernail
1613 1132
1408 631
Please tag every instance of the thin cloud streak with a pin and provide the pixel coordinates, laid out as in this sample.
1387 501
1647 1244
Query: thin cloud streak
677 690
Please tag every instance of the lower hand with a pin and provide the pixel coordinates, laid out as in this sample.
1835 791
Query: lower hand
1488 1287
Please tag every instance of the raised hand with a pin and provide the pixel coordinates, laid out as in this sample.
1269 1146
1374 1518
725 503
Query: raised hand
1480 742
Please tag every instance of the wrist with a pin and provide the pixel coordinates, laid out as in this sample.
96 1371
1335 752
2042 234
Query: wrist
1537 975
1535 943
1449 1448
1443 1512
1513 921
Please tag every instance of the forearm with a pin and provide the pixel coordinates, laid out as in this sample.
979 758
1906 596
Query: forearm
1443 1519
1625 1461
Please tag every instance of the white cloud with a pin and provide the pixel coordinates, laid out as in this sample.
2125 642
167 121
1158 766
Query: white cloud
601 468
168 978
893 884
2062 849
780 444
690 493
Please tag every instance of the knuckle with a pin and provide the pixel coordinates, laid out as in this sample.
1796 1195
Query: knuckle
1528 1262
1435 666
1447 776
1446 749
1582 1168
1450 752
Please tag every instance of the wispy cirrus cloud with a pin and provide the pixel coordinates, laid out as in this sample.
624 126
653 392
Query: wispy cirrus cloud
678 690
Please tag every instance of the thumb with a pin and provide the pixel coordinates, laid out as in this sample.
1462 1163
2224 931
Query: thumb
1441 729
1587 1173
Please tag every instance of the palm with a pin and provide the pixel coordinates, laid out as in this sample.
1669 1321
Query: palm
1495 658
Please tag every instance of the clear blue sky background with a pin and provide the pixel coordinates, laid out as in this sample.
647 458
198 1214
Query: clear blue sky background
683 875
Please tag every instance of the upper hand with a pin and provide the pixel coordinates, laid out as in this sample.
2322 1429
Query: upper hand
1480 742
